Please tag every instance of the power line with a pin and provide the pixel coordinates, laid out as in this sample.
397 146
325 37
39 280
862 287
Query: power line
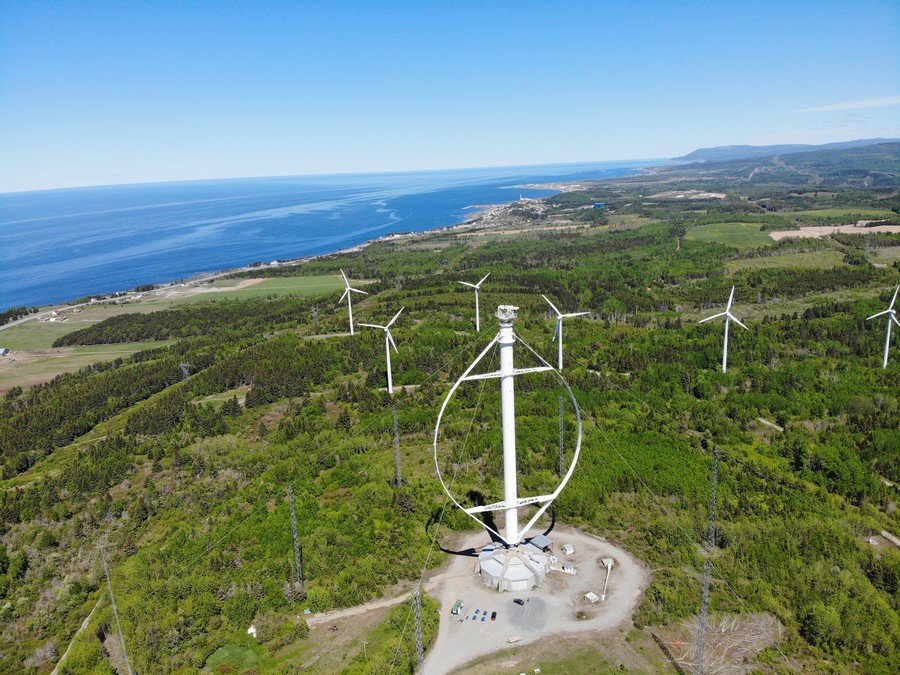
417 606
112 599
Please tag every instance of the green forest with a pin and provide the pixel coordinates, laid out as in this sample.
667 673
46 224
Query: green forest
179 459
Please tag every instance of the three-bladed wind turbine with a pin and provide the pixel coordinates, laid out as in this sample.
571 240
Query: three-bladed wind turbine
348 291
558 331
891 315
729 317
388 343
476 287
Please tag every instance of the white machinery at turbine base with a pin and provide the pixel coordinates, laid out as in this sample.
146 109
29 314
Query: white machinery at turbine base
512 563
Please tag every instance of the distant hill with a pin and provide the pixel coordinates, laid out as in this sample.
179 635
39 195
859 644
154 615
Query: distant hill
874 165
724 153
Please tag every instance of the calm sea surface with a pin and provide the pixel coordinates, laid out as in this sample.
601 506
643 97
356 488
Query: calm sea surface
57 245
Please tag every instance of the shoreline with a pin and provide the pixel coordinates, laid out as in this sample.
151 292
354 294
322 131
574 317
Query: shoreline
482 217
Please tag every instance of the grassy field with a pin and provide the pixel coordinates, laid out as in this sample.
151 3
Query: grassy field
43 365
227 289
807 260
740 235
845 215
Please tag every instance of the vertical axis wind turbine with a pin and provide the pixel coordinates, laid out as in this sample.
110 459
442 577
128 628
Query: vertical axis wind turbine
477 287
348 292
729 317
388 343
891 314
558 331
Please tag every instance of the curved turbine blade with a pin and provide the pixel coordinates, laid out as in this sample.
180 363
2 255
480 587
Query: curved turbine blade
396 316
371 325
356 290
875 316
556 328
391 339
466 283
346 282
731 299
714 316
483 279
573 314
894 299
558 313
894 319
346 293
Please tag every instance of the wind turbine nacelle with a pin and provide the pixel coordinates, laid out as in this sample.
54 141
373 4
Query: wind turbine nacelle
507 312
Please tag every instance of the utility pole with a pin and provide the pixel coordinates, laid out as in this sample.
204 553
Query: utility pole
298 553
398 477
710 544
112 599
417 606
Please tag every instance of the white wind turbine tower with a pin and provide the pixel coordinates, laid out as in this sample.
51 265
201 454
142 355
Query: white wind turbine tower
729 317
558 331
477 287
891 314
348 291
388 343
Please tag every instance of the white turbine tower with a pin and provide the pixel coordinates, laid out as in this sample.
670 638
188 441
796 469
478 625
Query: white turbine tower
729 317
388 343
558 331
477 287
348 291
511 503
891 314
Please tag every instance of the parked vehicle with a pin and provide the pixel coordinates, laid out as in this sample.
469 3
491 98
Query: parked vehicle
493 616
458 607
519 601
484 616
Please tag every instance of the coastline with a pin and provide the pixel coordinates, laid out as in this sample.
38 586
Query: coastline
483 216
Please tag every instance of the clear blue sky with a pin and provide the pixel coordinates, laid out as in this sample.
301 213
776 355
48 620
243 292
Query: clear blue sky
112 92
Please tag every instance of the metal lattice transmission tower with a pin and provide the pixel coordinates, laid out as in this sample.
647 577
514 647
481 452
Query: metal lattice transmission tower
417 606
298 552
398 477
710 544
115 609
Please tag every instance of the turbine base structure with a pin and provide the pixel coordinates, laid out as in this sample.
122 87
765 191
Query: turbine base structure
517 568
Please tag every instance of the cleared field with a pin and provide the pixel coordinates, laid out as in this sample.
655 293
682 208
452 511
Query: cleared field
808 260
848 215
27 368
740 235
231 289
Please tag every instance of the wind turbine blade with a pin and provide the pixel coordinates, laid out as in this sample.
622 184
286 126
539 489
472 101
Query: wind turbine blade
731 298
391 340
574 314
875 316
714 316
356 290
737 321
391 322
483 279
346 292
371 325
346 282
556 328
894 319
894 299
558 313
466 283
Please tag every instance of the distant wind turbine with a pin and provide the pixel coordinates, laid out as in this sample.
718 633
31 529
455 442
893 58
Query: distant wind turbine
558 331
729 317
477 287
891 314
348 292
388 343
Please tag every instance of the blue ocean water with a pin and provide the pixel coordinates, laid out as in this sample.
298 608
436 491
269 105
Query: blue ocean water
57 245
